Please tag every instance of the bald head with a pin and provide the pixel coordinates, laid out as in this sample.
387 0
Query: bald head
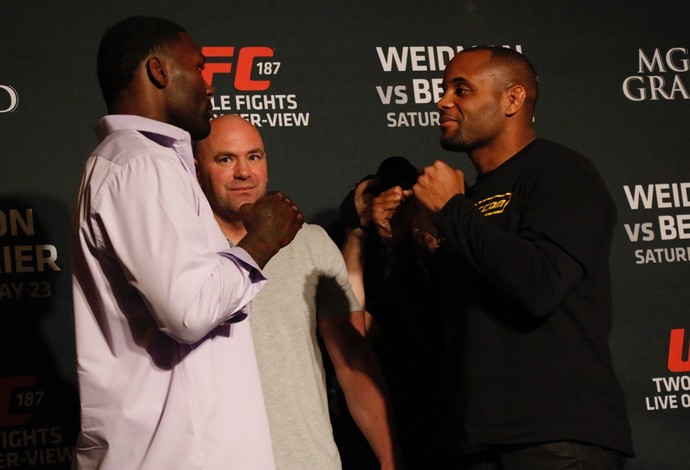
231 166
228 131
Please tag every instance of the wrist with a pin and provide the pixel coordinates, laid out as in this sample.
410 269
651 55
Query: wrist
261 249
357 233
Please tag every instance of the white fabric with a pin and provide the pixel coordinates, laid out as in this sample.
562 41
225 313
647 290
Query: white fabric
167 381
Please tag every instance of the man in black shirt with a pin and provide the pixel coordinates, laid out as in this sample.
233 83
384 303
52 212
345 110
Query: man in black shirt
526 284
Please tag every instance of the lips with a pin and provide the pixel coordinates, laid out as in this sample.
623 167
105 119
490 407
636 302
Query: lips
447 121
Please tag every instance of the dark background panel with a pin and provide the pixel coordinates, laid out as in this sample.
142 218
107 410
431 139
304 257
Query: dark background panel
584 52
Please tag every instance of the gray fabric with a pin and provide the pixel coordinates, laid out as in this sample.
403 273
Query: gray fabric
283 322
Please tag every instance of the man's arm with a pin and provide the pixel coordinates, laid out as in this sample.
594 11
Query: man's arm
362 382
147 220
564 230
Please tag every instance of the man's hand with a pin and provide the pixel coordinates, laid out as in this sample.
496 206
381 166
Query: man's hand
437 184
392 215
364 201
271 222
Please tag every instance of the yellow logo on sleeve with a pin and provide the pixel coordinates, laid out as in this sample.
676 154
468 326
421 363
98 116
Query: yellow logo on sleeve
495 204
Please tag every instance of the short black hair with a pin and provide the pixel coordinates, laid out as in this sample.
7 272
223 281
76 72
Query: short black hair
128 42
520 68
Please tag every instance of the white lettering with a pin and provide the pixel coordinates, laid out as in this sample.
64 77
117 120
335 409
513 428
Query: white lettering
650 66
661 195
14 99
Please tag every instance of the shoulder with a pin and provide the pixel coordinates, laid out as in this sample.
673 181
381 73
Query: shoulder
124 147
313 232
552 154
554 161
311 249
128 165
558 169
312 239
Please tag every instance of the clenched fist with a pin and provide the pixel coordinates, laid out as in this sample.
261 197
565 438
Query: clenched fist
271 222
437 185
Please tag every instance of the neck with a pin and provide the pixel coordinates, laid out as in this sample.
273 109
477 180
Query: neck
489 157
136 100
232 229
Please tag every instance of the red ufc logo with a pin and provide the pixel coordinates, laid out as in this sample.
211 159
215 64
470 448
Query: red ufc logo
244 63
676 363
8 392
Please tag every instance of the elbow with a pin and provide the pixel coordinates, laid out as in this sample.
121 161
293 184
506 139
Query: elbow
188 329
185 334
543 303
541 310
552 288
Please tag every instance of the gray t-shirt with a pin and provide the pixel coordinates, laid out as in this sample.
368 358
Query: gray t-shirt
306 279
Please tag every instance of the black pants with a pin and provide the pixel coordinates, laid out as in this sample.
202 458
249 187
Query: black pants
562 455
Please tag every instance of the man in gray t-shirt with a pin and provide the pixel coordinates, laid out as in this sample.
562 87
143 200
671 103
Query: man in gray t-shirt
307 292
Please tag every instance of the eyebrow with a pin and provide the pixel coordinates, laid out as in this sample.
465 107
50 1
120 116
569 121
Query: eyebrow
456 81
234 154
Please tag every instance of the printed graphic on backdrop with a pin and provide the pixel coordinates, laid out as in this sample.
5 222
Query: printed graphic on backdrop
660 75
616 85
9 99
672 391
411 83
658 225
38 408
243 79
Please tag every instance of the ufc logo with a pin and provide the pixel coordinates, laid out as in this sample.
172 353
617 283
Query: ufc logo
243 62
677 360
9 393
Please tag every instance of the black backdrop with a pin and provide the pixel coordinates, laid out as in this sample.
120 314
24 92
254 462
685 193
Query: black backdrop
337 86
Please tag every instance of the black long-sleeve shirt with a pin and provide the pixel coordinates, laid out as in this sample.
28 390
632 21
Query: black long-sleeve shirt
527 288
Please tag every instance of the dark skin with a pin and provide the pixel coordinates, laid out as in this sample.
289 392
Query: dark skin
271 223
486 112
169 87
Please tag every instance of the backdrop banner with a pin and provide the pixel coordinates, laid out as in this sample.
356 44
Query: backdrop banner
335 87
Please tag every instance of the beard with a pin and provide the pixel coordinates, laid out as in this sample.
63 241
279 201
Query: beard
200 127
456 142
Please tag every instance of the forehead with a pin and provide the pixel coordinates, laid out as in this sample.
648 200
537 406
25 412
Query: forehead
185 48
231 138
467 66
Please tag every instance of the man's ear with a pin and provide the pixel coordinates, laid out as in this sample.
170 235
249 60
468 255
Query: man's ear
157 73
515 98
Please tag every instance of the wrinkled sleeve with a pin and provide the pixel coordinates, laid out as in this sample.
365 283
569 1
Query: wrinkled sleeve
148 218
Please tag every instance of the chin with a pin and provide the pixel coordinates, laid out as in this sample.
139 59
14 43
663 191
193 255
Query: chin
200 131
453 145
450 145
200 134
